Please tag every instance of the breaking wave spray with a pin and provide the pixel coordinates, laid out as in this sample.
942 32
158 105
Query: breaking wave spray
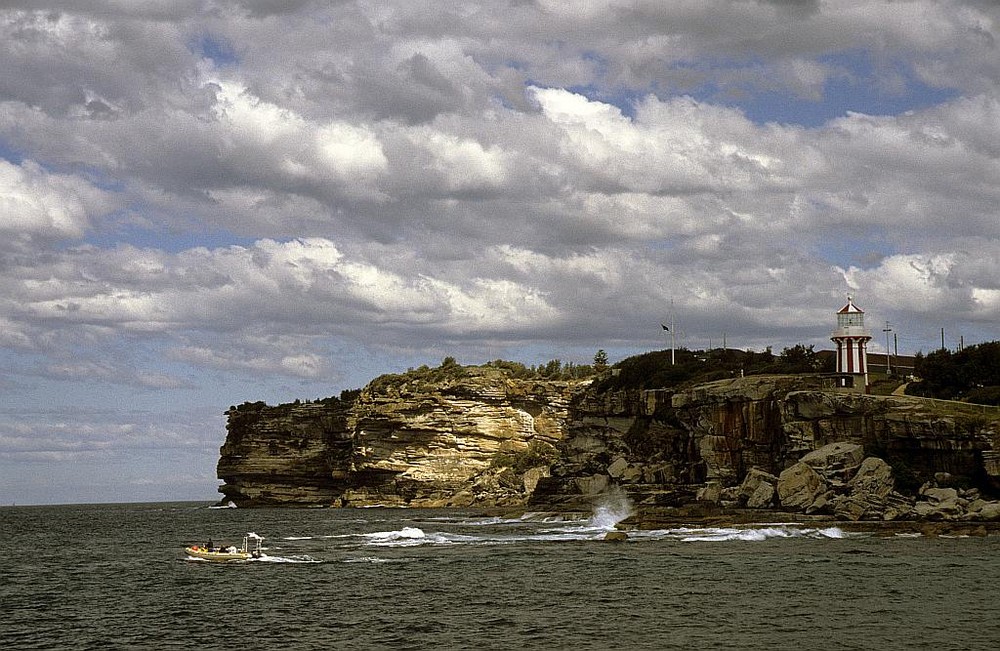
611 507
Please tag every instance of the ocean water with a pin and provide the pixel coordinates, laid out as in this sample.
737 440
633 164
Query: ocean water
116 577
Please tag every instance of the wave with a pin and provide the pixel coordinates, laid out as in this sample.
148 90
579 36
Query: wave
738 534
414 536
375 560
594 531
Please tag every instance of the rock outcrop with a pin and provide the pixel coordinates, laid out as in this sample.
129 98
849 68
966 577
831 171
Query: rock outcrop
468 436
286 454
730 442
461 436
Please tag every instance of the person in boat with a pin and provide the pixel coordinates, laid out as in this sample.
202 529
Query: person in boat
209 546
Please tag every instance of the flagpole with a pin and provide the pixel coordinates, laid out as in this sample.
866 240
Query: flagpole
672 329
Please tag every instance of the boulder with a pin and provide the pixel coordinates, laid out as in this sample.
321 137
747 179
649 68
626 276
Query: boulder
836 459
762 497
758 488
943 511
822 504
799 486
618 467
987 511
849 507
873 479
939 504
938 496
897 506
711 492
616 536
971 494
730 495
632 474
868 492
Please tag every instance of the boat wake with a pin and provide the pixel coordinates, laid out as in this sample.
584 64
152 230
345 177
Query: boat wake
304 558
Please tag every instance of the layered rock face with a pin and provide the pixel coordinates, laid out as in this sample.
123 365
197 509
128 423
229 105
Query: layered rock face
285 455
670 448
457 442
477 436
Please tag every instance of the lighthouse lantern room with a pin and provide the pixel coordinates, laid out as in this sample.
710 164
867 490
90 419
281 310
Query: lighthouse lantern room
852 340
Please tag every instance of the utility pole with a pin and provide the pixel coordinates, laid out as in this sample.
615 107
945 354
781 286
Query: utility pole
887 330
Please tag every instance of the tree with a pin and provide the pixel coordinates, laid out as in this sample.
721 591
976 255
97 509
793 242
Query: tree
970 374
600 360
798 359
552 369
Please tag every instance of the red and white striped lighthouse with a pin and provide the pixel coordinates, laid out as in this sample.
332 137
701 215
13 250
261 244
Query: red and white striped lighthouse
852 344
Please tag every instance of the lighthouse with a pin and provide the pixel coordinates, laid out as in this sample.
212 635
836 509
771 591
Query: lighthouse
852 347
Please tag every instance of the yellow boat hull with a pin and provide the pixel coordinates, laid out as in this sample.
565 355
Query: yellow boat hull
218 557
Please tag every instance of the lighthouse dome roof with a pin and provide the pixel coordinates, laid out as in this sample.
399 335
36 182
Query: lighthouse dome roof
850 308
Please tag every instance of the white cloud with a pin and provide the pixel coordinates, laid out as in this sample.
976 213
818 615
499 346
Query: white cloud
36 203
918 283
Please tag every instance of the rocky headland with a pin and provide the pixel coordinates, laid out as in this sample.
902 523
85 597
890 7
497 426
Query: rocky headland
740 449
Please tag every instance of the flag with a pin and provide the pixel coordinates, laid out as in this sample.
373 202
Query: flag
664 327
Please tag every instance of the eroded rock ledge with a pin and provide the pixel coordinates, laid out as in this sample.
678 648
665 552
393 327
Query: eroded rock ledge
483 438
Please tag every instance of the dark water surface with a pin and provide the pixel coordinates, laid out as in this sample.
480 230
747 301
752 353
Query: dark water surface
116 576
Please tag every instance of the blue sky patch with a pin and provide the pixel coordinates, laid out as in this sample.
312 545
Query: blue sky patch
117 230
217 48
857 84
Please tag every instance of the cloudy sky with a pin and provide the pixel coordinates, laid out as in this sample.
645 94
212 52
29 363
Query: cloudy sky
204 202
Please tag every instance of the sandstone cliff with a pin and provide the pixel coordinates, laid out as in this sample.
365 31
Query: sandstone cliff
285 455
464 436
665 448
455 442
459 437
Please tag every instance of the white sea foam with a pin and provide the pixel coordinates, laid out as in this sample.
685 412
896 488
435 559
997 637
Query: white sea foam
485 522
832 532
548 517
407 537
265 558
611 508
737 534
371 559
